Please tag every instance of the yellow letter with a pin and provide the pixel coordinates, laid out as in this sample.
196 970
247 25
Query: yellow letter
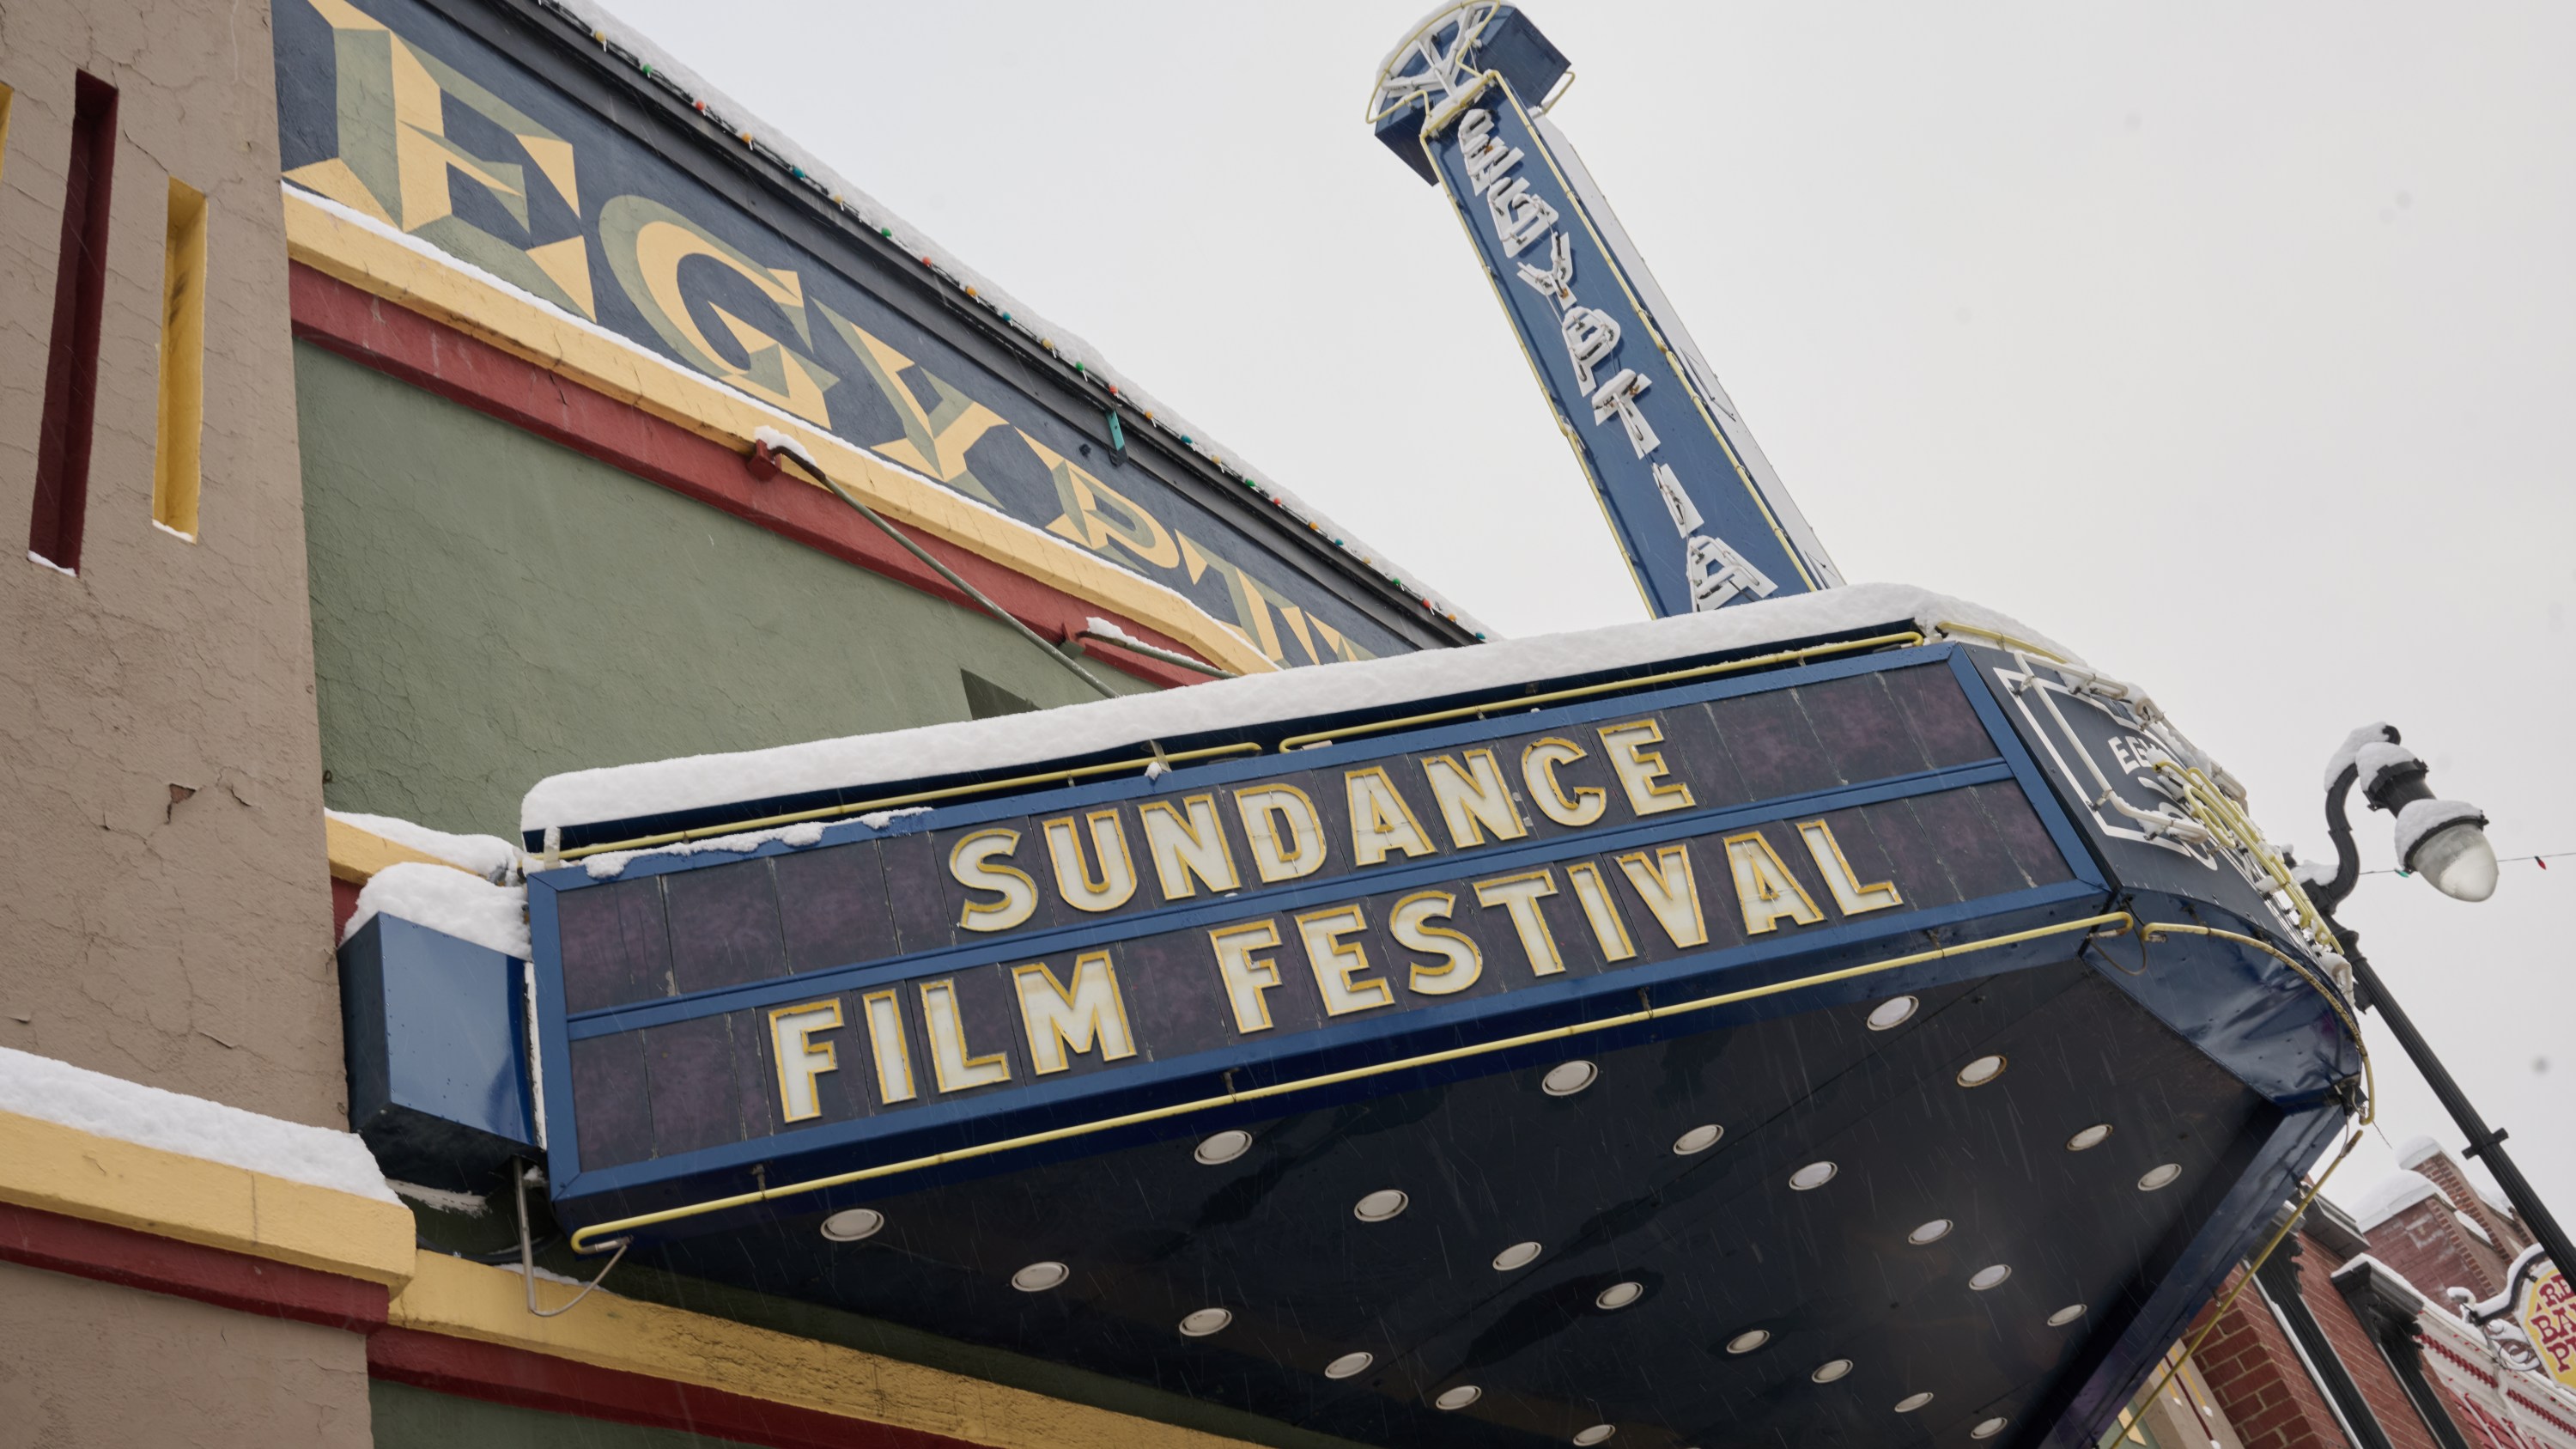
1412 927
949 1062
1333 961
1610 932
1265 809
1849 894
1764 887
1668 890
1639 769
971 862
1091 1014
1247 975
1194 846
799 1058
1472 798
886 1043
1520 895
1538 770
1380 820
1073 879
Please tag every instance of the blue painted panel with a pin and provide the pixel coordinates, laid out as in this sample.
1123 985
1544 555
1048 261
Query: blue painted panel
436 1031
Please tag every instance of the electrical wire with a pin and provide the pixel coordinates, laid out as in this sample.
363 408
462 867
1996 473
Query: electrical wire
2541 860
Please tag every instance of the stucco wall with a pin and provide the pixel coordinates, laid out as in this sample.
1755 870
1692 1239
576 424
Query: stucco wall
183 942
87 1364
490 608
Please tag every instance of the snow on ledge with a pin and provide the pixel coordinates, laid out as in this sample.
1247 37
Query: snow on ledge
2414 1150
488 856
2390 1196
466 907
626 792
94 1102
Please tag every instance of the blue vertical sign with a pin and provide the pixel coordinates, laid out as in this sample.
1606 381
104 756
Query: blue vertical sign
1694 505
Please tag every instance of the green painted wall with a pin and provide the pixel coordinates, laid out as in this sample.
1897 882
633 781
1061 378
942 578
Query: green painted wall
410 1418
489 609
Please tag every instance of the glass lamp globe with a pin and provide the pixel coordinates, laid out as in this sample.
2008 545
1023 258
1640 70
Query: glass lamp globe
2458 861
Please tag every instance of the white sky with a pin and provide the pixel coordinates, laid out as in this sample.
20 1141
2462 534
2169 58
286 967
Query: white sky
2228 344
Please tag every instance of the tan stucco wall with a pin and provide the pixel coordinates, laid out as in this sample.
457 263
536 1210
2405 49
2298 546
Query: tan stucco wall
182 944
87 1364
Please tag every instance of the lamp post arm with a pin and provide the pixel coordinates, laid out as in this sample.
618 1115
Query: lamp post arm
2347 855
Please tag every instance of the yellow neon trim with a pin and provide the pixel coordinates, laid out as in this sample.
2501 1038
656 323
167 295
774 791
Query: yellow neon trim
59 1169
585 1240
827 812
356 855
457 1299
383 267
1518 703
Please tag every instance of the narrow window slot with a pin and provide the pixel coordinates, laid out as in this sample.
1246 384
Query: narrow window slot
183 364
71 366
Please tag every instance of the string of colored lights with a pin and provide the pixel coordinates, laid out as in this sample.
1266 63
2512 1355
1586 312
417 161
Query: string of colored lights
2542 860
1083 370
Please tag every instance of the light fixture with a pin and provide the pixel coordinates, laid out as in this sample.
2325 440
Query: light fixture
2451 849
1039 1277
1380 1205
1458 1398
1222 1147
2091 1137
1518 1255
1912 1402
1697 1140
1205 1322
1990 1428
1830 1370
1931 1232
2066 1315
1619 1295
1892 1013
1567 1078
2444 841
2160 1175
851 1224
1349 1364
1990 1276
1812 1176
1981 1071
1594 1435
1749 1340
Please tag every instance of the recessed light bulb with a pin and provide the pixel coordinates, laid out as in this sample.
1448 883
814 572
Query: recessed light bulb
1981 1071
1990 1428
1991 1276
1594 1435
851 1224
1205 1322
2066 1315
1931 1232
1749 1340
2091 1137
1619 1295
1697 1140
1567 1078
1912 1402
1380 1205
1458 1398
1830 1370
1518 1255
1223 1146
2160 1175
1349 1364
1039 1277
1892 1013
1812 1176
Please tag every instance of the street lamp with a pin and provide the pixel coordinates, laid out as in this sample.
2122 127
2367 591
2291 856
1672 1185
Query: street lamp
2444 841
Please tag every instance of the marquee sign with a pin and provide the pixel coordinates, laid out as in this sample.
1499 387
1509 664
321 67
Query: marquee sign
1023 962
420 123
1702 521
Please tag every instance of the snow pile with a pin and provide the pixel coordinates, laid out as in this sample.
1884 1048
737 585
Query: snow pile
488 856
2416 1150
606 29
2348 754
52 1091
1133 721
466 907
2421 818
809 832
2390 1196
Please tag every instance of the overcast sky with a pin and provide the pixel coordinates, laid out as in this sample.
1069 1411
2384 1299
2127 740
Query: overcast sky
2230 345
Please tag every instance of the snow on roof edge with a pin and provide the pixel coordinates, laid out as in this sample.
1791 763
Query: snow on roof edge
107 1106
2390 1196
626 792
605 28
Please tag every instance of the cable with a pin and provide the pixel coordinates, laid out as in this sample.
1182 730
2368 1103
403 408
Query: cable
2541 860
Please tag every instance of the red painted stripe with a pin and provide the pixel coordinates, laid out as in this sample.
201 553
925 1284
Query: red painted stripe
505 1375
428 354
237 1281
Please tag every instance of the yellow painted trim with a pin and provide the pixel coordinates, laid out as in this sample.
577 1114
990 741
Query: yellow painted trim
384 267
458 1299
356 855
58 1169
